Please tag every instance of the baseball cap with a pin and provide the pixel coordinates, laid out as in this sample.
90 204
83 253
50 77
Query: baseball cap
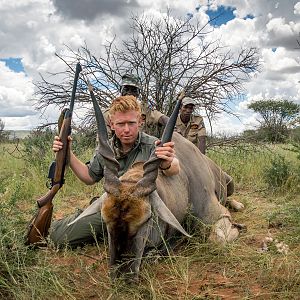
130 79
188 100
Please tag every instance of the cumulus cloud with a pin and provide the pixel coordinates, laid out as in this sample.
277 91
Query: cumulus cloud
90 9
37 29
15 91
274 30
297 8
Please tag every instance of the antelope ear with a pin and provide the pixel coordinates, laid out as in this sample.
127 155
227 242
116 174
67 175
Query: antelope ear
160 208
90 210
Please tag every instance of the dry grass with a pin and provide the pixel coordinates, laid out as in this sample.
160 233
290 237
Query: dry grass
194 270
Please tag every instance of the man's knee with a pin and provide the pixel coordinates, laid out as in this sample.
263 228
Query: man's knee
86 231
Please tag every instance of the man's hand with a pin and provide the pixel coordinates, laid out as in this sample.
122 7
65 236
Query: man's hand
58 145
166 152
79 168
170 164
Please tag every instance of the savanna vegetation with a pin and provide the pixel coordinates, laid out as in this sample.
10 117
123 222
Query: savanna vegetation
262 264
277 119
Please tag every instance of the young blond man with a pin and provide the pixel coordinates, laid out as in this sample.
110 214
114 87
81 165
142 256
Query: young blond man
130 146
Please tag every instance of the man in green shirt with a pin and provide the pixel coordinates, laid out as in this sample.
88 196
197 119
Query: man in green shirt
129 145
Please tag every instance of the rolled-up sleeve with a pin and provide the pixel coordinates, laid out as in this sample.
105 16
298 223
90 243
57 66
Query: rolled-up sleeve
95 166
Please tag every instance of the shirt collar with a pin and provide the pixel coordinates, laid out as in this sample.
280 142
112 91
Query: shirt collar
117 147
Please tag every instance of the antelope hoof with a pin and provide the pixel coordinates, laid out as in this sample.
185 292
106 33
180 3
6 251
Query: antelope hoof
240 227
235 205
223 232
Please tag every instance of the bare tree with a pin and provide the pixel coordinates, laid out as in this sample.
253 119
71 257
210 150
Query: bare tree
168 55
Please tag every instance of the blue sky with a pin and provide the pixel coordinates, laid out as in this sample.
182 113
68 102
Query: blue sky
14 63
221 16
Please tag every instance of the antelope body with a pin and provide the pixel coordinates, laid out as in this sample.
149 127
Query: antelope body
143 207
138 215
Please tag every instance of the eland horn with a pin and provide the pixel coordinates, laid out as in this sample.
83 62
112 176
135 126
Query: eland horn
111 165
147 184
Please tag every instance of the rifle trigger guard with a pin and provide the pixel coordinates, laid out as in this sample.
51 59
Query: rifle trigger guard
49 184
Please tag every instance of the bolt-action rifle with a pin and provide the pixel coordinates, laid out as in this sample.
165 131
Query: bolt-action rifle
40 223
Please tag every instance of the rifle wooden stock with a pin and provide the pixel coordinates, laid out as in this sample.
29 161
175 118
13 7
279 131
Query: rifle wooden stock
61 162
39 225
49 196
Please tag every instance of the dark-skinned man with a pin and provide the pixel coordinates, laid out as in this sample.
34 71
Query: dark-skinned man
191 125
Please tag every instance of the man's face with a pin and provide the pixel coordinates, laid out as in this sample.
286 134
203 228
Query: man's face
126 126
130 90
187 110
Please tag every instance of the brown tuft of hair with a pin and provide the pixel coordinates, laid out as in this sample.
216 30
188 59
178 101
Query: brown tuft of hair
124 104
126 210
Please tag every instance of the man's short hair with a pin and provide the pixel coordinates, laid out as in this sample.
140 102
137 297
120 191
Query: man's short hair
124 104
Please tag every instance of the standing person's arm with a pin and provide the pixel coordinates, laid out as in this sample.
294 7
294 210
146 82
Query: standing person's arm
163 120
202 144
156 117
202 137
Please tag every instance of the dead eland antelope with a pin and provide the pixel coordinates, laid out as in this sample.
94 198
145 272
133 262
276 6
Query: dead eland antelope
144 206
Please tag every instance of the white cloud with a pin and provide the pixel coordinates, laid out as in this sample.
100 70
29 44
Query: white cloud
38 28
297 8
274 26
16 89
279 60
177 6
229 125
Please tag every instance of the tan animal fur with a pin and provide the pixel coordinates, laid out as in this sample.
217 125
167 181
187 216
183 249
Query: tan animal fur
126 209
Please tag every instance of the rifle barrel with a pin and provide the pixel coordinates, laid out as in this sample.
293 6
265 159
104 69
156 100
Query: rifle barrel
78 70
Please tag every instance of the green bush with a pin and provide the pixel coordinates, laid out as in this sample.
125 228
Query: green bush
295 135
83 141
277 174
296 149
38 146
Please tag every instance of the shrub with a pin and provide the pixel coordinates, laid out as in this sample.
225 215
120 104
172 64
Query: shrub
38 145
276 175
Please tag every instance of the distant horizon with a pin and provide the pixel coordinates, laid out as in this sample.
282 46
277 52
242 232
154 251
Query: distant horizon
15 133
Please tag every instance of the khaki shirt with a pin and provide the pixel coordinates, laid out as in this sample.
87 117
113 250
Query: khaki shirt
106 118
141 151
150 123
192 130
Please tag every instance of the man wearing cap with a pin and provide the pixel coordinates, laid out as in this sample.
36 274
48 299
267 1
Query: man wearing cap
190 125
152 119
